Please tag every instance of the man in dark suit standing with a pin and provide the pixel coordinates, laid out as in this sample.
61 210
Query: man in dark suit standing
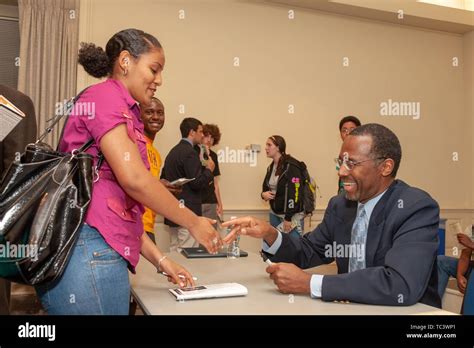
183 162
382 233
15 142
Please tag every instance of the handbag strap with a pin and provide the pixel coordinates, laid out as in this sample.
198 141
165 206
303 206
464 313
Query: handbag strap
54 120
86 146
57 118
100 155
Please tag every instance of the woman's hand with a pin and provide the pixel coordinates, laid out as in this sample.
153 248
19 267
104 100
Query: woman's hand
205 234
219 210
268 195
177 274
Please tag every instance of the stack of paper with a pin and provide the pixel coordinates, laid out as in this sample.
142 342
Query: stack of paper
10 116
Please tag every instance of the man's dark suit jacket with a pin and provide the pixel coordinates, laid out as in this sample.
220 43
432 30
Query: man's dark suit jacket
401 249
23 134
183 162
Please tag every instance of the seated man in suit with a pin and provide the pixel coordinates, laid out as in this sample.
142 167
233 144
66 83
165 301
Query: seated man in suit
382 233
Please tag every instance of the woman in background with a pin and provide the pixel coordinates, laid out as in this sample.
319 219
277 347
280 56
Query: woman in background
282 188
95 280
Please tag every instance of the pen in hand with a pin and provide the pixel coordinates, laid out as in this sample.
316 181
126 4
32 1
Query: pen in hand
266 259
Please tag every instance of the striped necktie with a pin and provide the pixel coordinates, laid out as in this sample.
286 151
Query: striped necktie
358 239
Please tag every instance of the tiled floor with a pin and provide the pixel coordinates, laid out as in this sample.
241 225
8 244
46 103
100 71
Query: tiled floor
24 301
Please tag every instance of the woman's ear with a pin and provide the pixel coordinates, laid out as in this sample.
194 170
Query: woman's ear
124 60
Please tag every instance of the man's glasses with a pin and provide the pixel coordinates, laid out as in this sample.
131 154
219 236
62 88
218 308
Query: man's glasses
350 164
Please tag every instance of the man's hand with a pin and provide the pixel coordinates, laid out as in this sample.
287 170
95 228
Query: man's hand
465 240
210 164
287 226
462 283
252 227
175 190
289 278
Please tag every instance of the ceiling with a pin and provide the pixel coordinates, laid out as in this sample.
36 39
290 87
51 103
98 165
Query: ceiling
415 13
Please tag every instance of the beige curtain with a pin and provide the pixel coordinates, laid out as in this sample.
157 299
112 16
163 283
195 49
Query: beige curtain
49 34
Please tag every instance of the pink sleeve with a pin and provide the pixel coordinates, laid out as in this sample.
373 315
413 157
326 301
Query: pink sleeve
106 110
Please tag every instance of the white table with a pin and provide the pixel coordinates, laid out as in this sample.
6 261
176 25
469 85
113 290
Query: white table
151 292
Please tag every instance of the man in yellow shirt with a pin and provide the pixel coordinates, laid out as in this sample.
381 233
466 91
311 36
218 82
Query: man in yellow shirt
153 117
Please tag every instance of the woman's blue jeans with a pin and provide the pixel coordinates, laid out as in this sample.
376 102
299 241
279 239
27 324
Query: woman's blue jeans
95 281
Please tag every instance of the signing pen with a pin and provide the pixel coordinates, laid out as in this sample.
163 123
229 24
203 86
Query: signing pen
266 259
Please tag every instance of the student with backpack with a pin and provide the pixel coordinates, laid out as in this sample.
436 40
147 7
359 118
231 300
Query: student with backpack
284 188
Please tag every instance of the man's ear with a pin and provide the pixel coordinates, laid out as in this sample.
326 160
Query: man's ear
387 167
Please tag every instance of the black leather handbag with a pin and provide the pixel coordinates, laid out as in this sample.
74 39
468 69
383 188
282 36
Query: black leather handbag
43 202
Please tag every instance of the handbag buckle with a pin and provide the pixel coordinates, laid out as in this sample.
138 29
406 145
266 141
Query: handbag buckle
96 174
74 153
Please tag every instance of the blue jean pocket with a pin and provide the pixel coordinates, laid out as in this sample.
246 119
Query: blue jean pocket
107 255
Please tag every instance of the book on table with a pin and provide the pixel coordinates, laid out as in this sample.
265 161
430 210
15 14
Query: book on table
209 291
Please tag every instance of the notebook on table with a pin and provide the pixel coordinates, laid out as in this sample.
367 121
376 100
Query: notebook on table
209 291
201 253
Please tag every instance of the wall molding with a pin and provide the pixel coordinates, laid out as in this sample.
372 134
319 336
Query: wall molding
463 215
85 34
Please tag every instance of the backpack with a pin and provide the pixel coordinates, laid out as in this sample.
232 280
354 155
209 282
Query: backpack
309 190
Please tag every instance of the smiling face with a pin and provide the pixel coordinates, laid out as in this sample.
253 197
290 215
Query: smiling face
366 180
153 117
143 74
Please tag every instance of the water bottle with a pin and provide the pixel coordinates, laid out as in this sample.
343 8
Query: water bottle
233 250
205 156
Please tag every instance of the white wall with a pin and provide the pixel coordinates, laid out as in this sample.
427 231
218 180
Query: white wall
299 62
